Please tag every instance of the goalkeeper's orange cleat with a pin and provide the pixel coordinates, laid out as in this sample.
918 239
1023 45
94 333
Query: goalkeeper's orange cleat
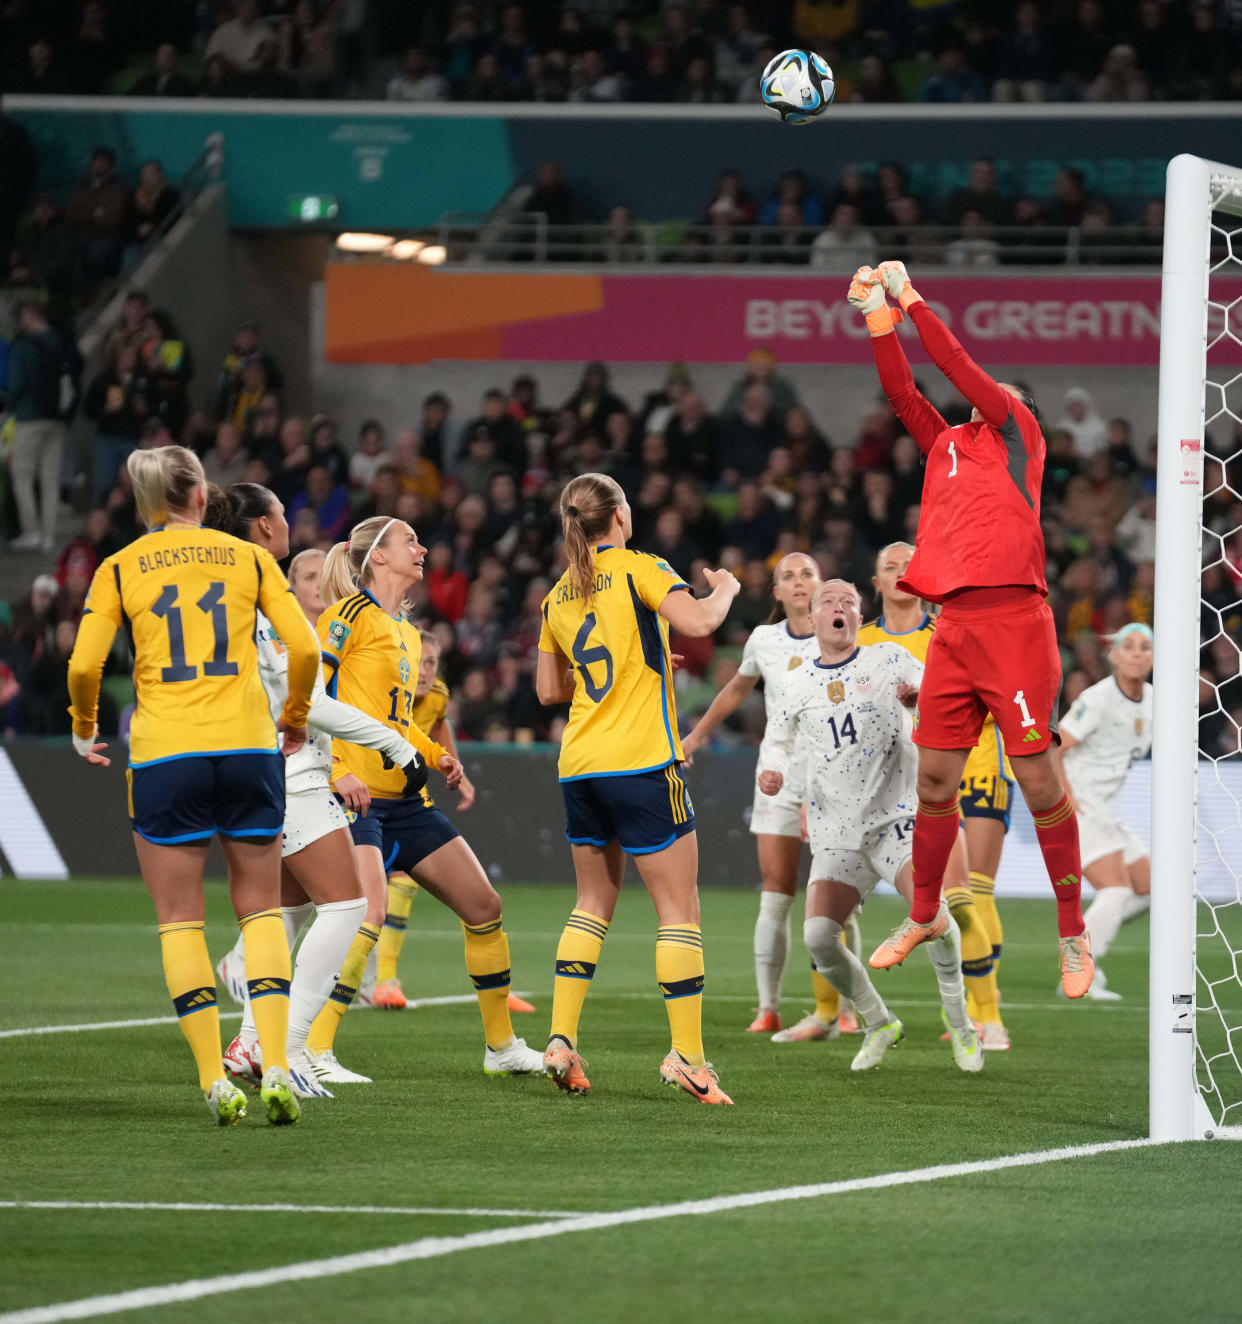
1077 965
700 1082
389 995
519 1004
765 1022
565 1067
906 937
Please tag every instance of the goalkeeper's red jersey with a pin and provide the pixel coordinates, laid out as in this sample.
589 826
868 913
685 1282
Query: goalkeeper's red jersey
979 524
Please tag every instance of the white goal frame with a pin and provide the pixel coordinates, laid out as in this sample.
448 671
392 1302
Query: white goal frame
1178 1109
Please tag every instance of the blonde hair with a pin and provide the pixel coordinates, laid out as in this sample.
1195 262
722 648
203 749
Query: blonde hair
828 583
164 479
300 560
430 640
888 547
588 504
343 567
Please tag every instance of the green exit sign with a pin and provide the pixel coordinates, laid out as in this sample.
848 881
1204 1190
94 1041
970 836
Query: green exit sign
314 207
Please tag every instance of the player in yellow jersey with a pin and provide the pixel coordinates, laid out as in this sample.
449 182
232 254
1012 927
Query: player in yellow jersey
204 757
372 656
604 647
903 621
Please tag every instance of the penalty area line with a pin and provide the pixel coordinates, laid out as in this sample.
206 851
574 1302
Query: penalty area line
427 1248
208 1207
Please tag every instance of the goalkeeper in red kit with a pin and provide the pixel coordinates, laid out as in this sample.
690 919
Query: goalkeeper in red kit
980 554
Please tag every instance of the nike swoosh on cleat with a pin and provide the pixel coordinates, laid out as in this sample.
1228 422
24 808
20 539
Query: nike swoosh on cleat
703 1091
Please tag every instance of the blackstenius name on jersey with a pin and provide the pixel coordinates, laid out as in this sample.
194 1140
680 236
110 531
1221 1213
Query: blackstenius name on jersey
193 554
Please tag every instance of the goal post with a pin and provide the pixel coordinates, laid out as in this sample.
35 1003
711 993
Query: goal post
1195 1014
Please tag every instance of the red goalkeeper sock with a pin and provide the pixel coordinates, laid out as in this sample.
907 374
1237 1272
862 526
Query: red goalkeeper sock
1057 831
935 831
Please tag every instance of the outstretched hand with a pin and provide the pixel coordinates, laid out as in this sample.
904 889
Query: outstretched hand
866 292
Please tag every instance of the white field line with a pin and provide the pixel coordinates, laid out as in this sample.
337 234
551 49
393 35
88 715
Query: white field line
427 1248
186 1207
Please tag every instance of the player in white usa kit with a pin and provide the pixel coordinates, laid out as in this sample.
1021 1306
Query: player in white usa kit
1107 730
319 871
842 729
785 643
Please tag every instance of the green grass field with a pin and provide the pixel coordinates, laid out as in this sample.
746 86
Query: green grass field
113 1115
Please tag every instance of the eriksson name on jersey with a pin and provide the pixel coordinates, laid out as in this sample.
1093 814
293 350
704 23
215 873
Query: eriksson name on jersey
567 592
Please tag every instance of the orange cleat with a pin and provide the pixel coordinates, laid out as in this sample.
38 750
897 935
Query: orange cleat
847 1022
906 937
701 1082
565 1067
765 1022
389 995
519 1004
1077 966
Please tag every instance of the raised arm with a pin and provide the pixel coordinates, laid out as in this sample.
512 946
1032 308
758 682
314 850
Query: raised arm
918 415
698 617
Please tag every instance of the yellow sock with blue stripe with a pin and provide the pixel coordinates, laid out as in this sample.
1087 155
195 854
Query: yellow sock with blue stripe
576 956
487 963
268 971
679 972
192 987
976 955
323 1031
401 894
983 889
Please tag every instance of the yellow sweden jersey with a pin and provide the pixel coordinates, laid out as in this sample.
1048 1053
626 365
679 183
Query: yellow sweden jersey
987 759
371 661
432 707
189 597
623 718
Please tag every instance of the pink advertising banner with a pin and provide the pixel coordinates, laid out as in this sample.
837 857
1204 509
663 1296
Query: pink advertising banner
411 314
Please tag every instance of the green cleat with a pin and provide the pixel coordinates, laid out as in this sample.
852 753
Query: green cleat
278 1097
226 1103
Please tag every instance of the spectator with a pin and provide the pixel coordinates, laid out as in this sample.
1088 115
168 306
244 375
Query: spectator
477 708
165 362
591 82
463 45
166 78
1153 42
551 196
370 455
546 78
47 251
447 585
34 389
658 82
729 207
698 85
240 39
40 75
1069 198
415 472
748 90
98 210
225 463
623 239
92 53
1083 49
844 246
329 500
736 48
152 204
854 187
792 189
219 79
807 446
118 406
975 247
266 78
308 50
1136 533
953 81
626 52
1120 78
486 84
980 195
1084 423
692 436
292 461
594 401
1061 464
787 240
748 436
417 79
513 45
326 449
481 460
875 84
509 440
129 331
235 393
440 436
1026 61
1201 58
761 367
910 240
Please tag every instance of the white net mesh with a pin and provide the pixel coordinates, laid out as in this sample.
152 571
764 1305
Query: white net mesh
1218 884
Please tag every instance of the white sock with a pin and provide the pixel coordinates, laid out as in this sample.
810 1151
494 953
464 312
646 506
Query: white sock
1135 906
853 940
946 958
1104 917
771 947
295 920
843 970
247 1031
319 962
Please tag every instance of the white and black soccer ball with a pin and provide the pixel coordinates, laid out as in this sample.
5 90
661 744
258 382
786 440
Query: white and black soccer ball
798 86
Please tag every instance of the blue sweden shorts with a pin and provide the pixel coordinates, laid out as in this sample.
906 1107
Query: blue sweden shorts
192 798
644 811
404 832
986 797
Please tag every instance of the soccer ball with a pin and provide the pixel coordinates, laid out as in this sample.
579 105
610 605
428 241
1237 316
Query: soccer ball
798 86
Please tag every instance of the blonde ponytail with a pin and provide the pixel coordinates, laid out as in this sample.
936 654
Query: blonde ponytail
345 565
164 480
338 579
588 504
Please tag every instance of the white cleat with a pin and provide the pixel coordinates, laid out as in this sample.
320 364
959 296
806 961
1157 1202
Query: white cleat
875 1044
279 1098
226 1103
329 1070
967 1048
514 1059
243 1060
1099 990
231 972
306 1085
810 1029
994 1037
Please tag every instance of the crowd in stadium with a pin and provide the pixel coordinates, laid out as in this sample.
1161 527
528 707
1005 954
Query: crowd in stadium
736 482
699 52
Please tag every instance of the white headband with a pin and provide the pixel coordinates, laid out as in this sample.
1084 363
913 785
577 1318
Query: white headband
378 539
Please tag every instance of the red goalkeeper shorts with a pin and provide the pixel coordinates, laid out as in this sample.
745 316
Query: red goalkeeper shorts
1003 660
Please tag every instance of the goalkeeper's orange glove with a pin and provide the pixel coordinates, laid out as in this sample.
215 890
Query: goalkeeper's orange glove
866 293
896 281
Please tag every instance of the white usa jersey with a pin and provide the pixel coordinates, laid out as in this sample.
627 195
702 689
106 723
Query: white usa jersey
312 764
1112 732
845 738
771 653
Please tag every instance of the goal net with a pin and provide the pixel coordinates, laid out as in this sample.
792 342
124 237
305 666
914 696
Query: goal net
1196 911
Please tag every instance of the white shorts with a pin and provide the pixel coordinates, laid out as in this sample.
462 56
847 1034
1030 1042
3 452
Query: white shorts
309 815
1100 834
884 854
775 815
